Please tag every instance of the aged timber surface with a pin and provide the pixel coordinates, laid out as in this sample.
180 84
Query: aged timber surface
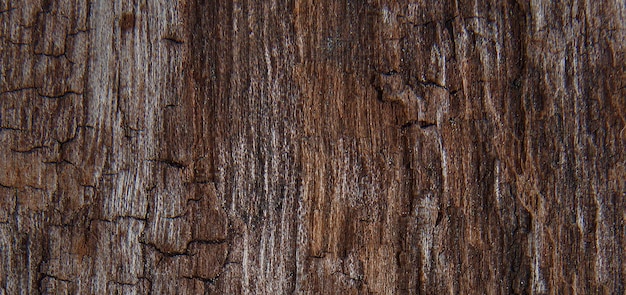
312 147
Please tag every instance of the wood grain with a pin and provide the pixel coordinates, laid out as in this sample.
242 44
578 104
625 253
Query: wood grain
312 147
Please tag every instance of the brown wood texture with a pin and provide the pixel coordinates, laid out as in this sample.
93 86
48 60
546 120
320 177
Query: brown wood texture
312 147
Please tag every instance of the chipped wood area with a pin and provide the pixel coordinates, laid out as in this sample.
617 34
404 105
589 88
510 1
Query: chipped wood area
312 147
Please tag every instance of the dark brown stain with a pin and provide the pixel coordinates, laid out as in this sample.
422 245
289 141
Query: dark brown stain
127 21
46 5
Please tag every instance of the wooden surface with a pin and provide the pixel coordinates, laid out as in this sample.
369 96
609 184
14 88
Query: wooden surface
312 147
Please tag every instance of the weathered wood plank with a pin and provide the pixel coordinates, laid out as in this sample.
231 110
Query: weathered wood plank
312 147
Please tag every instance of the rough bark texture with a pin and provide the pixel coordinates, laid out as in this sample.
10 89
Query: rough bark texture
312 147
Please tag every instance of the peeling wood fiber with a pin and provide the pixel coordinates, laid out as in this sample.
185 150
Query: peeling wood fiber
312 147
